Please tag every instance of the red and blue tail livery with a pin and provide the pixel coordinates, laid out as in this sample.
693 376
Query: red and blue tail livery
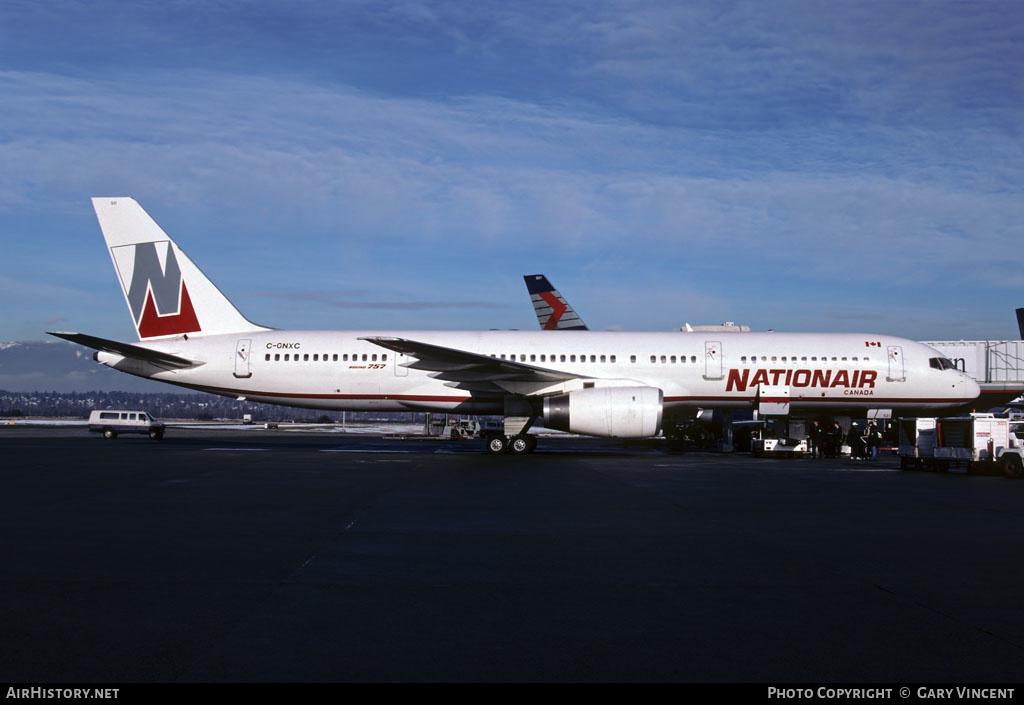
553 311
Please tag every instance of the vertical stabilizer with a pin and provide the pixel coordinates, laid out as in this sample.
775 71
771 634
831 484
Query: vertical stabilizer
166 293
553 311
1020 322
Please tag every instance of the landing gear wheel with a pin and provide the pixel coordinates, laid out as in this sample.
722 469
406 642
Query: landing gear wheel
497 445
521 445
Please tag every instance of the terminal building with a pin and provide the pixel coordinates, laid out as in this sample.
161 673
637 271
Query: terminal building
996 365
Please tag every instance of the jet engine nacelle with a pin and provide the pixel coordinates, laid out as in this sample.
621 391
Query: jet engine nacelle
610 412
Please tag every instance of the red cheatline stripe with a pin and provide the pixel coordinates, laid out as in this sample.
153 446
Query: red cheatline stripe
859 400
300 395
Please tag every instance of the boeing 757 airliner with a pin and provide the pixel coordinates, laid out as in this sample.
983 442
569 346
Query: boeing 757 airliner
610 384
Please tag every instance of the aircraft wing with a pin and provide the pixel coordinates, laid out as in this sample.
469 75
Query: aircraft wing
467 370
126 349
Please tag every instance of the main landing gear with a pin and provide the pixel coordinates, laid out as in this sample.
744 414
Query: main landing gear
519 416
516 445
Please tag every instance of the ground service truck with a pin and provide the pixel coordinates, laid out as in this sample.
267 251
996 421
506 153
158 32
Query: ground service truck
983 443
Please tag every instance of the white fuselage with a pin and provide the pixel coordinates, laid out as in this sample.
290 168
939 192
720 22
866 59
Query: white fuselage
818 373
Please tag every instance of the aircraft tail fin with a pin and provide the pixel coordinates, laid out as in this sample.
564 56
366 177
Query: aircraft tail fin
167 294
553 311
1020 322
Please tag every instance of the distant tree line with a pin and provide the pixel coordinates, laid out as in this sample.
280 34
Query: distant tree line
202 407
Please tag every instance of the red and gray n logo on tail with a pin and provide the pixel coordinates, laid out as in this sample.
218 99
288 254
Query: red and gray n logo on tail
553 311
167 294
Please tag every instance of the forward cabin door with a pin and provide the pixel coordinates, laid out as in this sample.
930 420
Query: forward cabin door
896 373
712 360
242 359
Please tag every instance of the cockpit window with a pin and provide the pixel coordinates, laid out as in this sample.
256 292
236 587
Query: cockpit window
941 363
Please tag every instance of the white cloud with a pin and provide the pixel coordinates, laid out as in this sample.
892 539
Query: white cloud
777 147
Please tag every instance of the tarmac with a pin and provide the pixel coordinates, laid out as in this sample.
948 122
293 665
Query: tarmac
263 556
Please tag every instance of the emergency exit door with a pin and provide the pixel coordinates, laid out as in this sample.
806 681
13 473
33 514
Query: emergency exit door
400 360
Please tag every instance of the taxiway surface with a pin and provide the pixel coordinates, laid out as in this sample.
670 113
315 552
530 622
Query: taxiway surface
266 556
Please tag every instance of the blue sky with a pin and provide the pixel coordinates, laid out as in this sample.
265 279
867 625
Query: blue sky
789 165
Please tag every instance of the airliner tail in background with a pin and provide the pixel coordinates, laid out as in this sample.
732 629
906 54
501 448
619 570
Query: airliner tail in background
553 311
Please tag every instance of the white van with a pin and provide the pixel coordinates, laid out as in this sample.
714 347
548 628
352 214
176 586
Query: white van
111 422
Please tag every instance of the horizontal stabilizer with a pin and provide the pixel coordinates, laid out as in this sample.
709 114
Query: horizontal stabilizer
126 349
